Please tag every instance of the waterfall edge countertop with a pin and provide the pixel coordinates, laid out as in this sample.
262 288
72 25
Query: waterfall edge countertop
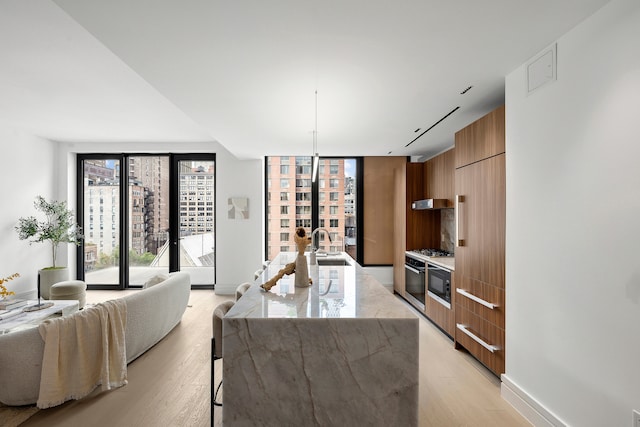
343 351
337 292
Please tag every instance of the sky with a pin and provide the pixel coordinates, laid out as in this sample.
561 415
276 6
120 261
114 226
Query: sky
350 167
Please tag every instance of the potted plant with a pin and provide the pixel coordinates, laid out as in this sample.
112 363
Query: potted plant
58 227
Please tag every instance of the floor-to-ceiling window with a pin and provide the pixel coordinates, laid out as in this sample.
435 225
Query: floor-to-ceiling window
196 245
144 215
294 200
99 216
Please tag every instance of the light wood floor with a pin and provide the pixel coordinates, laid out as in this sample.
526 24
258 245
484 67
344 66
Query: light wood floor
169 385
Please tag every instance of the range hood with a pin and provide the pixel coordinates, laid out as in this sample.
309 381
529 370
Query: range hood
429 204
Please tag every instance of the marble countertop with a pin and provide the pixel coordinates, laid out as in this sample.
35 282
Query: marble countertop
336 292
343 351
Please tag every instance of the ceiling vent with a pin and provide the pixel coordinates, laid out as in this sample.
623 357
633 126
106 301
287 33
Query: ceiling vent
433 125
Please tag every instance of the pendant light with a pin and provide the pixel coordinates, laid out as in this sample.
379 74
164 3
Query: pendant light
316 158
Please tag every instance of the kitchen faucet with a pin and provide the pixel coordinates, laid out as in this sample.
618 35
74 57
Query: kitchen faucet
313 234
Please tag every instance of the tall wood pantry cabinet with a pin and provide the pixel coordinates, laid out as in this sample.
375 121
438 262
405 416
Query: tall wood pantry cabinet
480 276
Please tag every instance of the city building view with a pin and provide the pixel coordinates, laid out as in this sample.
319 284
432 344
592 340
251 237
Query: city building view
289 203
147 216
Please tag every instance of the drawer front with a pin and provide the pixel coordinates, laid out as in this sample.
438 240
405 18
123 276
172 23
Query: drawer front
483 331
440 315
485 292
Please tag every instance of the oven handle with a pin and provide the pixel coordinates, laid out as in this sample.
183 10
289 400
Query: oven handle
413 269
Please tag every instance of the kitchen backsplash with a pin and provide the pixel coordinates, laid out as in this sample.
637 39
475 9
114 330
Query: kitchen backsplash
447 229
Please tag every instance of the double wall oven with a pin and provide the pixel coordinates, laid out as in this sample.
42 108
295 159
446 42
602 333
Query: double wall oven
424 278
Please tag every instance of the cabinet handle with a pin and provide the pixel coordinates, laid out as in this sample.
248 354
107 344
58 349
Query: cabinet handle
491 348
459 199
476 299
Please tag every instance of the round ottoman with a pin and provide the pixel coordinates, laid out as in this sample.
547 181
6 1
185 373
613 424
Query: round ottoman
70 289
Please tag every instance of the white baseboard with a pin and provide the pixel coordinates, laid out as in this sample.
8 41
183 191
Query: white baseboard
222 289
383 274
527 406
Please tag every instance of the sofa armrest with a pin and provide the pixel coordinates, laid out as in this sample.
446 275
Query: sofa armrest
20 367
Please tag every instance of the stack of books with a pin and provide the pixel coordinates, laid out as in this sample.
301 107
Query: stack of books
10 304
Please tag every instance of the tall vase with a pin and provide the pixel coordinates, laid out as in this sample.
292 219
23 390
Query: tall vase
302 272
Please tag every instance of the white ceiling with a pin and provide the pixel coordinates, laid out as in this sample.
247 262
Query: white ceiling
244 72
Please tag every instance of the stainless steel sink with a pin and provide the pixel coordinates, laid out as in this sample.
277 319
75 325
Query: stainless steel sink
332 261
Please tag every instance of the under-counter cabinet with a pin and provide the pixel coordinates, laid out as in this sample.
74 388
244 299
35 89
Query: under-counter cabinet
440 314
480 220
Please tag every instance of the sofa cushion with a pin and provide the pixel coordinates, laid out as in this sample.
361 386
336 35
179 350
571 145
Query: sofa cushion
158 278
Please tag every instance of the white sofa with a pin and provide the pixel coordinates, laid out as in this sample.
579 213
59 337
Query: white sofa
151 314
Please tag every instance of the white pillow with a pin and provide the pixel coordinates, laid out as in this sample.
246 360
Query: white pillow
158 278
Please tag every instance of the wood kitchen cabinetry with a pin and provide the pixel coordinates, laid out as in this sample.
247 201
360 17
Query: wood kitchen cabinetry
480 276
439 314
439 183
482 139
439 177
412 229
399 228
378 212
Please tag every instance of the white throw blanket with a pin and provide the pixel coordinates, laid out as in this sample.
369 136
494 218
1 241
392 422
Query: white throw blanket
83 351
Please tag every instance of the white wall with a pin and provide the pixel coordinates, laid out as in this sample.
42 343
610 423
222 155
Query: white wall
573 225
239 242
34 166
27 171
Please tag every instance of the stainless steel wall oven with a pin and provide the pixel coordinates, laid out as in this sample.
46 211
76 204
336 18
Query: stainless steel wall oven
439 284
415 279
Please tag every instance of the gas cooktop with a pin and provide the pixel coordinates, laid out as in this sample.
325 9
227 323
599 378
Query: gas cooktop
432 252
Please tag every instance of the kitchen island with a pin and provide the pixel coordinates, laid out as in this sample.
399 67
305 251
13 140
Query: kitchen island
341 352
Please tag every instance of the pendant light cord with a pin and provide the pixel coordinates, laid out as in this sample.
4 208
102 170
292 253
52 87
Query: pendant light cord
315 159
315 131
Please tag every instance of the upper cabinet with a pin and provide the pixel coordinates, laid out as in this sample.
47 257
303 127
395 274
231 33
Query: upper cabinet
482 139
439 177
422 227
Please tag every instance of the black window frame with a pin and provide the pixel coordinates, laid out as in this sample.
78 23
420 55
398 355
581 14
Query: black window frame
315 202
174 219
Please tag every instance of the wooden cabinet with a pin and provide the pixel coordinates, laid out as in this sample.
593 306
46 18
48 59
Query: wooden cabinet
399 228
412 229
481 216
378 211
480 275
422 226
439 177
481 139
439 314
